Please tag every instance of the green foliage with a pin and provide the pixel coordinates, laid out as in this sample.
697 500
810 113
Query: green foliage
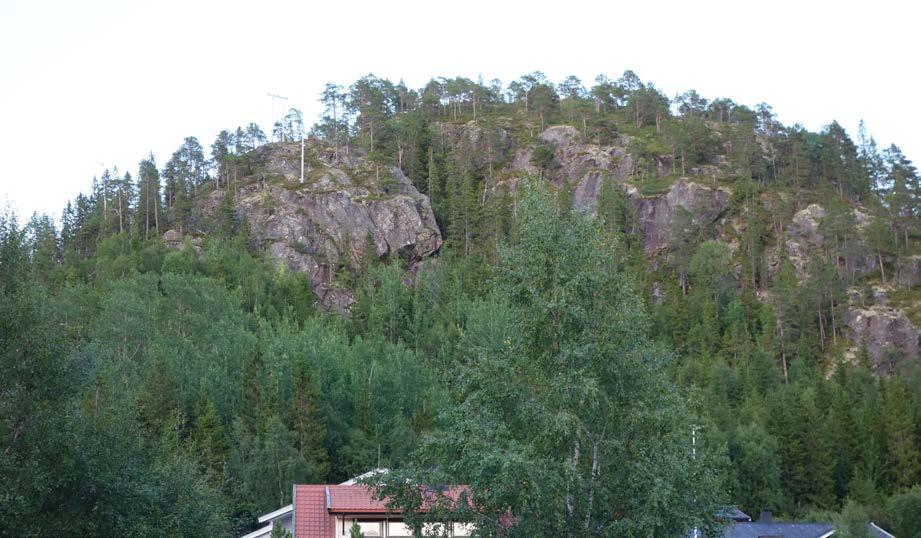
758 467
280 532
543 156
557 381
906 513
151 391
852 522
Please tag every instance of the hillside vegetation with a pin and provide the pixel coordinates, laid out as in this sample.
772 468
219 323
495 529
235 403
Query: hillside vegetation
607 310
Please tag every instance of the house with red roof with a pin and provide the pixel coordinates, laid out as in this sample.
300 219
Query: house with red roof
330 510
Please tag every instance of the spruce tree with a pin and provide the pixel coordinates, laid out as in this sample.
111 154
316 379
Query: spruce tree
209 439
901 430
308 425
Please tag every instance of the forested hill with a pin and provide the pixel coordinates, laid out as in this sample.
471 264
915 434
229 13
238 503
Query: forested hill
521 265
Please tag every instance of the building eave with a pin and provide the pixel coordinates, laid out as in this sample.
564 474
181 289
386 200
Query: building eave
277 513
259 533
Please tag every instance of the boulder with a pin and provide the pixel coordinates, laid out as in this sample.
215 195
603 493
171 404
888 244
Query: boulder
175 240
889 336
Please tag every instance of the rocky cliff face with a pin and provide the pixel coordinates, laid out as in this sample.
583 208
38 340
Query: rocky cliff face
325 223
889 336
805 238
909 271
584 167
656 215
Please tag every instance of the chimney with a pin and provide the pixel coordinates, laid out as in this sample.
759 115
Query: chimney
765 517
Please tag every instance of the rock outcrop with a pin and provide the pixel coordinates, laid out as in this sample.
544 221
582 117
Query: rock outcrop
805 238
655 215
908 271
889 336
582 166
324 224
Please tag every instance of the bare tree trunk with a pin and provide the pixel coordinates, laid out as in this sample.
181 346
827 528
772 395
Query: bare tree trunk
882 268
821 329
596 470
574 462
837 264
336 132
754 283
783 354
146 211
474 107
157 214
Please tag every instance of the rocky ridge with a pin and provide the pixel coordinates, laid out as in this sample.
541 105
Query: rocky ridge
327 222
324 224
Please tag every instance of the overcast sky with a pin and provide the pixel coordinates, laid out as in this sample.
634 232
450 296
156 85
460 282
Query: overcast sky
90 85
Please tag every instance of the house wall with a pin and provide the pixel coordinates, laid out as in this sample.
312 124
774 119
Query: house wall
387 528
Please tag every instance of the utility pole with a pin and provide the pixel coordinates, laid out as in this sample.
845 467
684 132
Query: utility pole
282 122
302 157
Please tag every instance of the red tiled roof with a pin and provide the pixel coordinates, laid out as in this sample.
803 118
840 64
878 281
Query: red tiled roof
315 506
354 498
311 520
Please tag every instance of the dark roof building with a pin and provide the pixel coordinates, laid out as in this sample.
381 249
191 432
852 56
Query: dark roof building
766 527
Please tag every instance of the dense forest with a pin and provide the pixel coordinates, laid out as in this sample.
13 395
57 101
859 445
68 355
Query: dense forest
163 373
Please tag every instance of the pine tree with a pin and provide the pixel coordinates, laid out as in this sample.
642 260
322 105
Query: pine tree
182 206
148 199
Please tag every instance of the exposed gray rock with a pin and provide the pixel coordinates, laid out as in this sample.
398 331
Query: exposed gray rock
320 226
889 336
909 271
582 166
175 240
805 238
656 214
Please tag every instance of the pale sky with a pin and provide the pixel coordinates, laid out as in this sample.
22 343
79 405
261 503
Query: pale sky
88 85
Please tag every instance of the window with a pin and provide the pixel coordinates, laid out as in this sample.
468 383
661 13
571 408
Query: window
368 527
398 529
